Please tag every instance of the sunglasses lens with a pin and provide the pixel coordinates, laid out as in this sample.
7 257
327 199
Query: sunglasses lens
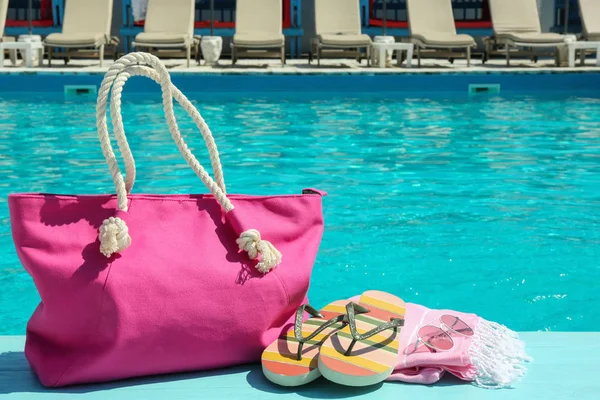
457 325
435 337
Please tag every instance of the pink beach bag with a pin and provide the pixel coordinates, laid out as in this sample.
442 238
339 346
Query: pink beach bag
134 285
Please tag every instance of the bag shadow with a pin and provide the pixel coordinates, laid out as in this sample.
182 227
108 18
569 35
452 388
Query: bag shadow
227 236
18 377
54 214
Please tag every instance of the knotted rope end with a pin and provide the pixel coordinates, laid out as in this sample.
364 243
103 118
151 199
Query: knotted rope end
114 236
251 242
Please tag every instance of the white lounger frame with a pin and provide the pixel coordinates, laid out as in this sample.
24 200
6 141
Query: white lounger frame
419 44
254 51
82 51
186 48
347 50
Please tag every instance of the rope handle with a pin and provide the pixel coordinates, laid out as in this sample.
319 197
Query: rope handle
115 79
117 121
114 233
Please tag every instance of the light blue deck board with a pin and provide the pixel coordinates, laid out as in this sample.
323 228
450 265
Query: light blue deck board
565 366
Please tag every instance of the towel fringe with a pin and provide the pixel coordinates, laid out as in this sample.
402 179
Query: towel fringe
498 355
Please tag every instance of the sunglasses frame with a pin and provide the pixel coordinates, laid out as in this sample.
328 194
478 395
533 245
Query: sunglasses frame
441 328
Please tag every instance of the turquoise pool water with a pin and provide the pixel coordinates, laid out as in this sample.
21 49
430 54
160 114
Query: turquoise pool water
482 204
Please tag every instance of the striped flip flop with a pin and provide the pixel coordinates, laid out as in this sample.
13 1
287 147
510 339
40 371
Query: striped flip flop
292 360
365 351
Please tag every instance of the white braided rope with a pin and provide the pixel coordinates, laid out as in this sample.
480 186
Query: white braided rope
114 233
250 242
117 120
164 80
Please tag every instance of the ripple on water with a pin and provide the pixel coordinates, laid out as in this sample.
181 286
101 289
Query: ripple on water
486 204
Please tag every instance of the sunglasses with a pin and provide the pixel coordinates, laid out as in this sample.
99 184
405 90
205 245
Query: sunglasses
438 337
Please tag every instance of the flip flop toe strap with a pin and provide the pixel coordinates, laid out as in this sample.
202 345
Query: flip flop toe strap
316 314
351 310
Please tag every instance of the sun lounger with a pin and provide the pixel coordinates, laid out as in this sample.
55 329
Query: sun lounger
589 10
258 27
337 25
517 24
86 27
3 13
169 25
432 26
590 19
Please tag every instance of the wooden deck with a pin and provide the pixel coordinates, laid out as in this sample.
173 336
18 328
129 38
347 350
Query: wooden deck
565 366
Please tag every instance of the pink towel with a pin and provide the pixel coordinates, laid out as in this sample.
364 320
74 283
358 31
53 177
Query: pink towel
493 357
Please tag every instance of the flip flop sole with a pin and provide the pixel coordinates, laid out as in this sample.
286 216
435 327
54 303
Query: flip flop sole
372 360
279 360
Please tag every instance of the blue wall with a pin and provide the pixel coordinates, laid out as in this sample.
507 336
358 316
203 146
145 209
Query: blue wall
405 82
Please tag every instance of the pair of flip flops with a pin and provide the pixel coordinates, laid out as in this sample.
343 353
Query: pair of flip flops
352 344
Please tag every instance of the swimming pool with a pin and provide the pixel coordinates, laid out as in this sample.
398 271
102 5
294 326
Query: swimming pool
488 204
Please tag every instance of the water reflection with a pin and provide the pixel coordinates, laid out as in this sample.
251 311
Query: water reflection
441 200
